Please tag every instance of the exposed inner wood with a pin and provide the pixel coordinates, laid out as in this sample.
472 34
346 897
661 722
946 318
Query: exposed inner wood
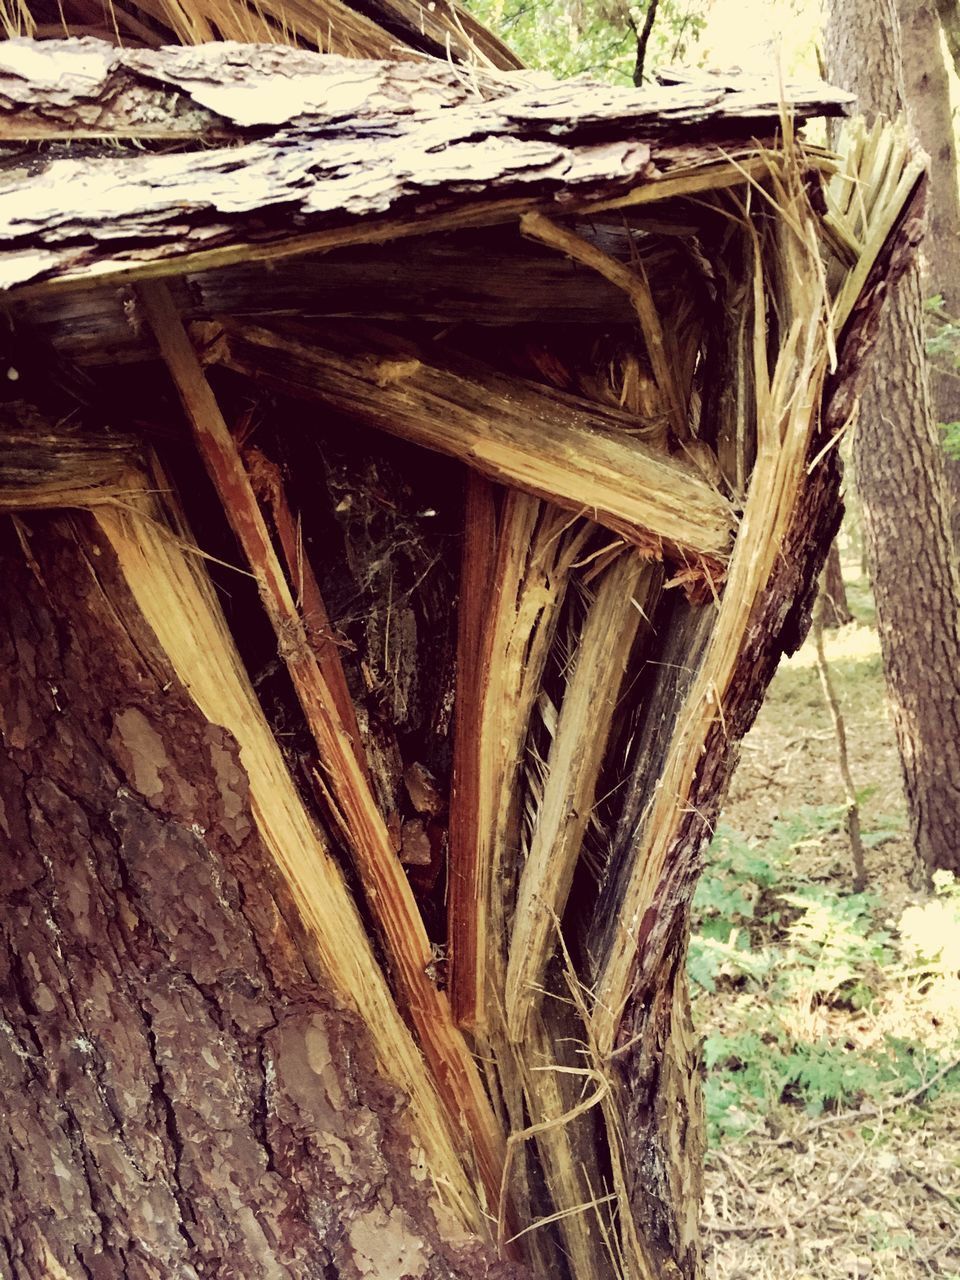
268 485
466 891
787 399
549 444
632 279
578 739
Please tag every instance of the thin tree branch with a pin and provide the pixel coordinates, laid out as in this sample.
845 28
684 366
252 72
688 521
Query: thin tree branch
843 758
643 39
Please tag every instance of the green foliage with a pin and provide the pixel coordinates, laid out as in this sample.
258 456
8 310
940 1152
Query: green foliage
951 438
599 39
793 965
833 946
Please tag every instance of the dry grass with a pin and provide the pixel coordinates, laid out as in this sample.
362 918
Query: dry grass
858 1198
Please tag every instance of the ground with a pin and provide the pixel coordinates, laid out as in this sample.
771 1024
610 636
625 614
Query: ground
833 1042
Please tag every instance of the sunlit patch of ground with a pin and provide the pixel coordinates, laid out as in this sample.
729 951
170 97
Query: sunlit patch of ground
870 1190
854 643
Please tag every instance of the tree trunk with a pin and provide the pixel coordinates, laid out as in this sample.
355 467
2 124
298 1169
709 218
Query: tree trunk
900 479
181 1095
836 611
927 91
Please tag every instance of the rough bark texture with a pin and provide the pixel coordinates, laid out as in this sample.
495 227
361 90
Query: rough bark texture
927 91
308 143
949 11
900 480
181 1098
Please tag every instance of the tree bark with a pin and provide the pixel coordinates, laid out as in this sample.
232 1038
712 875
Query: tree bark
181 1096
836 611
927 92
949 13
900 479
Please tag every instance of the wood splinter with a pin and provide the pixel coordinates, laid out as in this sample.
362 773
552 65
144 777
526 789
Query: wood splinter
389 895
584 457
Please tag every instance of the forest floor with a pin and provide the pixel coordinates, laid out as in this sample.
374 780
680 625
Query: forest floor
832 1020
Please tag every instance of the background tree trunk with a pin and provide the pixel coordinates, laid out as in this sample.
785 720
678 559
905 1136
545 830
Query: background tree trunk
926 89
900 479
949 13
181 1096
836 611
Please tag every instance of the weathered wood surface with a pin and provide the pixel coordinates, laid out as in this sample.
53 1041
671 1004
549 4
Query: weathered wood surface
577 454
484 277
298 142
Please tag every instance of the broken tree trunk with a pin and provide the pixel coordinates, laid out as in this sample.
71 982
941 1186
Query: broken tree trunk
375 704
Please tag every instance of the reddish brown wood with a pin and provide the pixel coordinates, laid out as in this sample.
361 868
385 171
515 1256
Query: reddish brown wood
477 565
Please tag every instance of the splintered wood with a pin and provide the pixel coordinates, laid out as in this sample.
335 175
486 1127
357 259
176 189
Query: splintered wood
578 734
345 786
443 29
548 443
527 504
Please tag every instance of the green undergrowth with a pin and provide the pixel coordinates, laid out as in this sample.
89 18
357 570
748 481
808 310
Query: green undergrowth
809 997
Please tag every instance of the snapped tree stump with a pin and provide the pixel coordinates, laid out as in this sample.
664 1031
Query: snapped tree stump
412 481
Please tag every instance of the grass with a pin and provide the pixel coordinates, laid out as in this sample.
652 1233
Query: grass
827 1000
824 1014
